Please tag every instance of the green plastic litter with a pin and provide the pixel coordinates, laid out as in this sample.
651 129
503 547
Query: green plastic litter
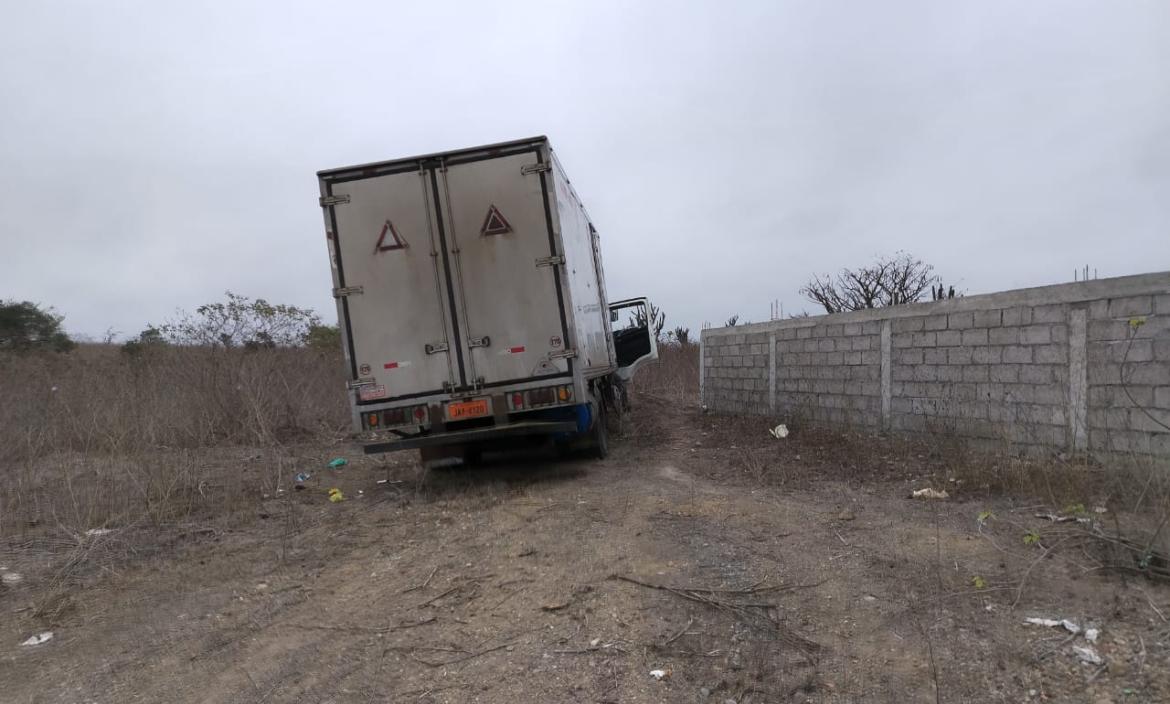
338 462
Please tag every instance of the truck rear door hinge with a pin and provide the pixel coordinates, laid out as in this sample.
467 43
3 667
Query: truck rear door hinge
347 291
484 341
563 354
327 201
535 168
359 383
550 261
435 347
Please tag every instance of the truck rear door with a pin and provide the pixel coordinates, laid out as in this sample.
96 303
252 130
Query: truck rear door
394 291
508 288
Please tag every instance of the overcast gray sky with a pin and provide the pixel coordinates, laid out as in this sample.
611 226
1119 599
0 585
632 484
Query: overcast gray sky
155 154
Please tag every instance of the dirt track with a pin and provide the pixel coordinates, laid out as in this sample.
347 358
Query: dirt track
504 584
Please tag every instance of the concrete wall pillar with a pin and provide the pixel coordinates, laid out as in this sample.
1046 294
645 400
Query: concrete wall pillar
772 372
887 388
1078 380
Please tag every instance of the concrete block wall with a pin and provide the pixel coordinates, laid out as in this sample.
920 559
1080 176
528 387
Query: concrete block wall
1082 366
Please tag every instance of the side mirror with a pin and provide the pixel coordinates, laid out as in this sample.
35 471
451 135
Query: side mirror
614 316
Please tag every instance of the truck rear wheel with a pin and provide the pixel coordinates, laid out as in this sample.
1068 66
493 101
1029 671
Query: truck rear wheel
599 436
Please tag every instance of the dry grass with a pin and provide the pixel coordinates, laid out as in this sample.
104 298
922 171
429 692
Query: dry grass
674 376
98 399
159 446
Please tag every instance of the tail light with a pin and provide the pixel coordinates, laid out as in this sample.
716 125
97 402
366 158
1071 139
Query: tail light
538 398
392 417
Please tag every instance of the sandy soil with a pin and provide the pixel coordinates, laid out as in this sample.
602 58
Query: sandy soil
535 580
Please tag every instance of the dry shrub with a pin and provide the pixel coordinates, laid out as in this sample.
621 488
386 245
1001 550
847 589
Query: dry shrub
160 444
675 375
98 399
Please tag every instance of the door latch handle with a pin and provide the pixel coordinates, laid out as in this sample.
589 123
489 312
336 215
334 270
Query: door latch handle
484 341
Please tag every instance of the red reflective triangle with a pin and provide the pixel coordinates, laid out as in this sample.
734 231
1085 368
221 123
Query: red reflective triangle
494 223
395 242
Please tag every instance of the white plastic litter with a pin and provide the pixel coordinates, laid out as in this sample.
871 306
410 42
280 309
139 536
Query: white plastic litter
1087 654
39 638
1049 622
779 432
1070 627
11 578
1091 634
930 494
658 674
595 642
99 531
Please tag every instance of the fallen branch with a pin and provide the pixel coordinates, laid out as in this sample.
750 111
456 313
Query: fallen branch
433 599
678 635
742 610
469 656
423 585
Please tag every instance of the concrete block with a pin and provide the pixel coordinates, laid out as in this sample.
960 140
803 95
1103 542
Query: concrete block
1129 307
1036 335
1116 397
1008 373
1140 419
925 372
1129 441
1098 310
873 357
960 321
1017 316
836 330
1160 445
1059 333
803 333
988 318
826 345
1017 354
965 392
934 355
851 358
1153 374
987 355
1050 354
1162 304
852 329
1108 329
922 339
949 338
950 373
1054 313
1004 336
901 340
1162 350
902 372
935 322
906 325
976 336
871 327
786 334
975 373
959 355
1034 373
909 355
1131 351
863 342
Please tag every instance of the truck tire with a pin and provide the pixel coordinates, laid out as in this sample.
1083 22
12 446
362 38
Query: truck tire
599 436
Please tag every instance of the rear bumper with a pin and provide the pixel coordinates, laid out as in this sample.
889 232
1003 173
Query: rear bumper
456 437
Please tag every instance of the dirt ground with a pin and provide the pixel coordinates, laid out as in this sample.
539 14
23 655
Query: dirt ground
535 580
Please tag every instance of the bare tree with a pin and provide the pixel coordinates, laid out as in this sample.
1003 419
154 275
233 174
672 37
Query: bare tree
654 319
889 281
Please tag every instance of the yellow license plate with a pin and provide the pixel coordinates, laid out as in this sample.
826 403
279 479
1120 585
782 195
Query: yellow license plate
462 410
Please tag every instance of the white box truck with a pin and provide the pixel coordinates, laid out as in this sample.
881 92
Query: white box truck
472 304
